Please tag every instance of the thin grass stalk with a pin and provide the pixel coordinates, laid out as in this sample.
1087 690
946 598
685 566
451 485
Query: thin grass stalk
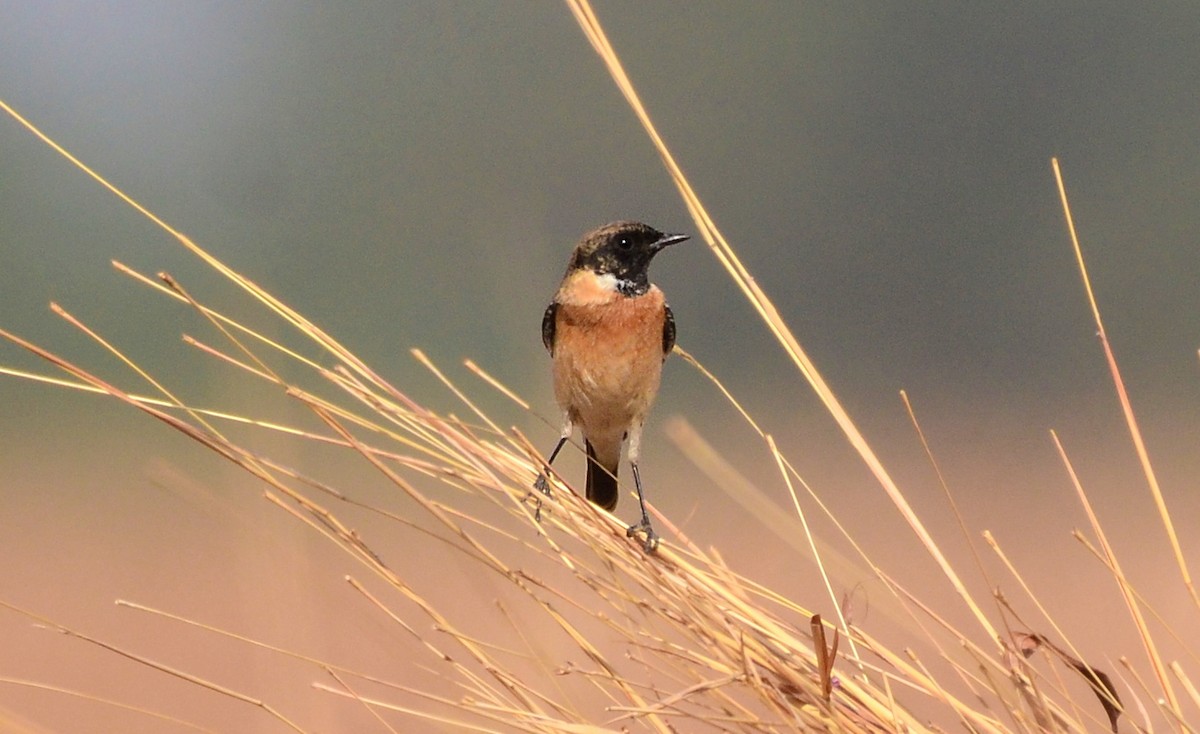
1135 432
767 311
1135 609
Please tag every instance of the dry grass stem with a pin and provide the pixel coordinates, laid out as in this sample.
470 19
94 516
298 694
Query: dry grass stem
590 633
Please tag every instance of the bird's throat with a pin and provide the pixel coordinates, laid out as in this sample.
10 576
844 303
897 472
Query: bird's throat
586 287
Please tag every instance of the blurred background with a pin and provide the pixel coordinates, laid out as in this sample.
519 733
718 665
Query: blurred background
415 175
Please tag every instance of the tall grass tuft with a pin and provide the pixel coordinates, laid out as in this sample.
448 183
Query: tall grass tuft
596 634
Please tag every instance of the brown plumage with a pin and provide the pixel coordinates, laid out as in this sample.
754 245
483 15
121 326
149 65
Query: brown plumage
609 330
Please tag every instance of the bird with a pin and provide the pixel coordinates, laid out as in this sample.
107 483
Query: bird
609 330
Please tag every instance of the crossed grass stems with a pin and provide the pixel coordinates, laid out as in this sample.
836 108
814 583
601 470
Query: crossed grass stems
709 644
701 644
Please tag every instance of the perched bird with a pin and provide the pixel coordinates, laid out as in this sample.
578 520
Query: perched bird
609 330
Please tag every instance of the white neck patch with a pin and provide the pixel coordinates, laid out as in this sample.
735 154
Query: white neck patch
587 287
608 282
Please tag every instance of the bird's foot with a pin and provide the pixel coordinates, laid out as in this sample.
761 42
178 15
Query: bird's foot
539 485
651 544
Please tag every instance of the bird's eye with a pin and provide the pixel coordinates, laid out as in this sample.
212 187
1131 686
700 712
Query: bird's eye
625 243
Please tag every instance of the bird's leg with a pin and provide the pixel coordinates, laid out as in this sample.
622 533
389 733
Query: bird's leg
542 484
651 544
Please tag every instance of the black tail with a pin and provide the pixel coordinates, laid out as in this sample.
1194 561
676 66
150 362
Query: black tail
601 482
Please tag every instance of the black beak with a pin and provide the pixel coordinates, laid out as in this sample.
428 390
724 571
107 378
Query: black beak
667 240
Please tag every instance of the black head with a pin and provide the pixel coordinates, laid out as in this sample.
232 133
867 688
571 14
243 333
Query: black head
623 250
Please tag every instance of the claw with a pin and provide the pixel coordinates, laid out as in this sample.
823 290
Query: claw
651 543
539 485
652 539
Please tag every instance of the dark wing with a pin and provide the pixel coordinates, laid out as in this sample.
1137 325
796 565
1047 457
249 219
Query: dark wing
668 331
548 323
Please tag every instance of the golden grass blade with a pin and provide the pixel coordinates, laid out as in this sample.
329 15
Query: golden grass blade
454 724
482 688
411 491
904 671
1135 610
1137 593
499 386
1098 680
423 439
1146 725
158 286
1029 593
105 701
130 363
220 321
160 403
767 311
161 667
282 651
371 560
112 390
1183 678
741 629
178 288
429 365
354 694
968 536
407 461
822 664
1135 431
766 512
332 668
673 641
720 386
288 314
1175 717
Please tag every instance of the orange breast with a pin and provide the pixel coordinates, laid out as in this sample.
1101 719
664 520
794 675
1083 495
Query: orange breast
607 356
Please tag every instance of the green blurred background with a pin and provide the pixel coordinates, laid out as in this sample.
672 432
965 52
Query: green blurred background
415 174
